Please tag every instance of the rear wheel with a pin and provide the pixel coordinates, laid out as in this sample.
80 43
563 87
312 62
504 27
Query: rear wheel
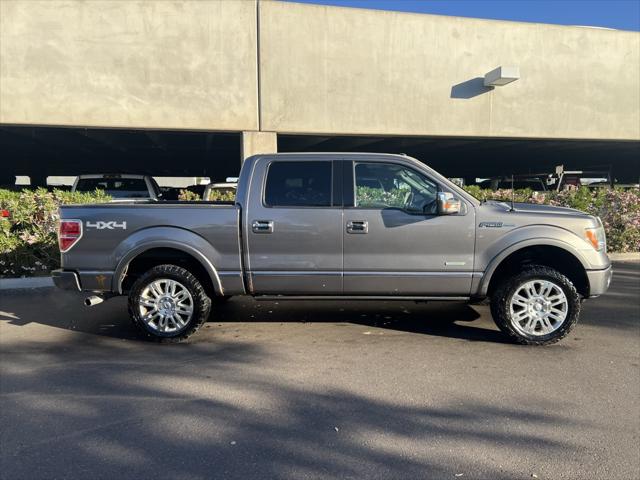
168 303
538 306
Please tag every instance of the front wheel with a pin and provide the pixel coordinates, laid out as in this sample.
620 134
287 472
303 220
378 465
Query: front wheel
538 306
168 303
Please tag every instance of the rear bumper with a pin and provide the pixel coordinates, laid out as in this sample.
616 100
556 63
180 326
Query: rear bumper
599 281
92 281
66 280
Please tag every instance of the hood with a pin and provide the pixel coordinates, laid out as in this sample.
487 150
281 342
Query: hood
546 209
533 208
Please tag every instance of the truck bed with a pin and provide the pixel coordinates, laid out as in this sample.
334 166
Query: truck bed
112 231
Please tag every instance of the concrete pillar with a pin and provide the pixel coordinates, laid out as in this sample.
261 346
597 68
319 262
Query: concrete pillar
258 142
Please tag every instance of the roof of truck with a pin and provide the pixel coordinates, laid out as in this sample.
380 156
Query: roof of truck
333 153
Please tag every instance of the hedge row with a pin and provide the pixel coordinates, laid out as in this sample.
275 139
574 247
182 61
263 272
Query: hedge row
28 244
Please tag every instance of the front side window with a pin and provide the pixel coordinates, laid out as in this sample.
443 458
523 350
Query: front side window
386 185
298 184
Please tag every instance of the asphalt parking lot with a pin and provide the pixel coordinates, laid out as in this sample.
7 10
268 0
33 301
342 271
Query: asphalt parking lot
318 390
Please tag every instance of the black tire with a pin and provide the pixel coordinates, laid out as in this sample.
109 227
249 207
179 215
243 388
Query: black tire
501 299
201 302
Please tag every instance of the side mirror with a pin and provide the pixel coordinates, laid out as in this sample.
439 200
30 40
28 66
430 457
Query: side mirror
448 204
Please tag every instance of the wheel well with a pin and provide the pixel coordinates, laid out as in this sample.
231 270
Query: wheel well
167 256
547 255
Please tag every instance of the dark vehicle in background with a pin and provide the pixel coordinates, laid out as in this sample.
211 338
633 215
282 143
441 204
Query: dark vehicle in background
121 187
560 180
536 183
567 179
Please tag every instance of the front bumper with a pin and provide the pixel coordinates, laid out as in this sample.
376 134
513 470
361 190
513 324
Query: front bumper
66 280
599 281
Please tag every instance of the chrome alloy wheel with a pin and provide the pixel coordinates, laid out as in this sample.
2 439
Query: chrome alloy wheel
538 307
165 305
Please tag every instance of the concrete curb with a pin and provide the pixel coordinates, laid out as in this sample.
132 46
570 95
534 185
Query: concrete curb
27 282
625 257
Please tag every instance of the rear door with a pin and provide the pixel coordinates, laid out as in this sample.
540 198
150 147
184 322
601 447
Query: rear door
293 227
395 243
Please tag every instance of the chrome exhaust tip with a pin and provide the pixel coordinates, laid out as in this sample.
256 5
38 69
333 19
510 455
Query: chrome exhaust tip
93 300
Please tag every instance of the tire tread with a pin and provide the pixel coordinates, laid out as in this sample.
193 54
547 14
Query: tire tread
202 300
500 307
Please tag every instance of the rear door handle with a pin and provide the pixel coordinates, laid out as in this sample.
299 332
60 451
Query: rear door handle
262 226
357 226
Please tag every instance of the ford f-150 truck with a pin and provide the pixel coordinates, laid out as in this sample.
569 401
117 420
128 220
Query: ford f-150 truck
337 226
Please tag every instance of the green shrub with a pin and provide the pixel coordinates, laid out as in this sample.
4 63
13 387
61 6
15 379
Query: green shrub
28 243
214 196
188 196
377 197
222 196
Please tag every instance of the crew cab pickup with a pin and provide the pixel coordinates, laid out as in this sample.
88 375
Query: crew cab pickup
337 226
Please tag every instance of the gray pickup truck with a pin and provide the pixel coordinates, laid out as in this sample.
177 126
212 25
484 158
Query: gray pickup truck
337 226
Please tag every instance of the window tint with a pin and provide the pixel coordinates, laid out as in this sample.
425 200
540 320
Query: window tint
385 185
299 184
115 187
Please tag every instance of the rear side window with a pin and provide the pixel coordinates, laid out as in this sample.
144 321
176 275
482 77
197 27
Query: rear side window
298 184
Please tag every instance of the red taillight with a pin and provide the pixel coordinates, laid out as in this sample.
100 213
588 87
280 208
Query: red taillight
4 214
69 233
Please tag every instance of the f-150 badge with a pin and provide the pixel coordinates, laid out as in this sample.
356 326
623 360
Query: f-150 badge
100 225
495 225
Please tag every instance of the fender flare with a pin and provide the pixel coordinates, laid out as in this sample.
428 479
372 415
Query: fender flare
514 247
142 246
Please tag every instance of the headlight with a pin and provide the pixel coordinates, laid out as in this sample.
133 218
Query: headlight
596 237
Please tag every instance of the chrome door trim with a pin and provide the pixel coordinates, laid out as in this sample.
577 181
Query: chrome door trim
411 274
367 274
361 297
295 273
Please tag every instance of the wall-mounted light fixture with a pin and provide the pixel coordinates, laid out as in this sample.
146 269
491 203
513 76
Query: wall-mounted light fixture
501 76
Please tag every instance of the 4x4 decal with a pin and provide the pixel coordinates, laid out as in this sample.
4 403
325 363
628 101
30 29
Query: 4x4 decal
100 225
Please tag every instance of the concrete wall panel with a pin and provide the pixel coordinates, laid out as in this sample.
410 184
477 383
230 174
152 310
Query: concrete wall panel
166 64
341 70
187 64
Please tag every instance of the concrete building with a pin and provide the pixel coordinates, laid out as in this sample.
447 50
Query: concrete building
192 87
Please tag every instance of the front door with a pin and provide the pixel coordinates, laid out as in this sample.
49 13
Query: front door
294 228
395 243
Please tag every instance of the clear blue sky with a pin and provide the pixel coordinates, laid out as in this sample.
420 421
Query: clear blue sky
620 14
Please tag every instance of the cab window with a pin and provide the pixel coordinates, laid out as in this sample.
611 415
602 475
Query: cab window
387 185
298 184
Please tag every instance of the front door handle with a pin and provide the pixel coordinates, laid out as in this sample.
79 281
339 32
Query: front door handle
357 226
262 226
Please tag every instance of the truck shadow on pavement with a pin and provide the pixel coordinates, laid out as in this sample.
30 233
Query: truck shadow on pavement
65 310
619 308
442 319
